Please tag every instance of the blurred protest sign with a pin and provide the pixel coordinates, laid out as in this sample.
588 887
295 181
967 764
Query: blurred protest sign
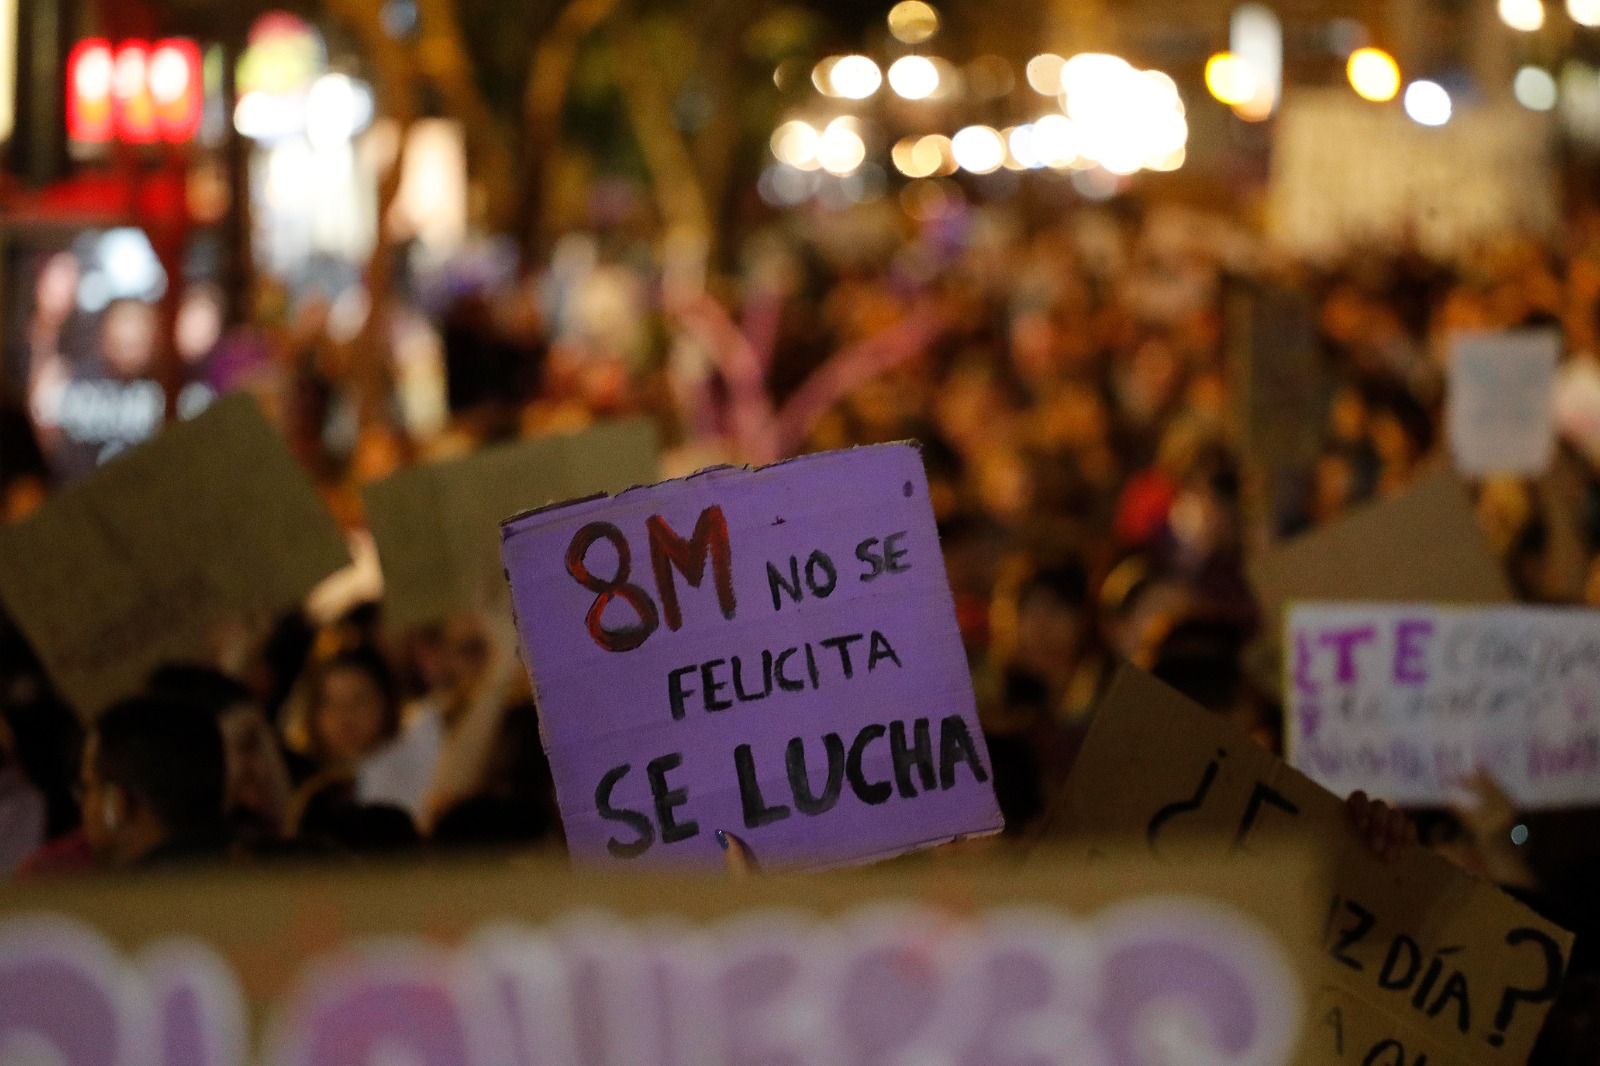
1282 387
131 566
1423 546
1349 175
772 652
1406 701
1577 406
437 525
1502 401
1415 957
531 965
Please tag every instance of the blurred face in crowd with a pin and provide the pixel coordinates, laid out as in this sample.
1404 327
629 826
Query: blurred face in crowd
258 780
116 828
128 338
466 650
351 715
1049 631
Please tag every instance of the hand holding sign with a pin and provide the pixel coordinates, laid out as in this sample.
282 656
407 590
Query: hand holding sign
773 653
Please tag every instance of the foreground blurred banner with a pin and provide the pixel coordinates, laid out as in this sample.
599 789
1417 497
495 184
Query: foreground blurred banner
1109 963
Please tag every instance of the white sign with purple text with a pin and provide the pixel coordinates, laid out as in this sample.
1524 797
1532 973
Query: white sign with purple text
1406 701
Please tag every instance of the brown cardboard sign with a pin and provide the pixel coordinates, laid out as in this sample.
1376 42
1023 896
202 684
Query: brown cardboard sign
127 568
1413 957
437 526
530 964
1424 546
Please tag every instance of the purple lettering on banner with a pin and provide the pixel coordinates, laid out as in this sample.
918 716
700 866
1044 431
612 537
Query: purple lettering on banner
1302 665
64 997
529 982
883 985
1027 994
398 1002
199 1007
1411 650
1345 642
766 1000
1177 987
891 985
773 653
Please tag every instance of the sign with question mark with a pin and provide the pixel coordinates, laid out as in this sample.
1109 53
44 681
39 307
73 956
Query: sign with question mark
1418 963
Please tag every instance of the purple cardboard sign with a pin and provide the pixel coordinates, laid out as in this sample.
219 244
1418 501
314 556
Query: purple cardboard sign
772 652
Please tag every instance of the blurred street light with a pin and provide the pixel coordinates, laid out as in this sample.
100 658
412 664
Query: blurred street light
979 149
854 77
914 77
1535 89
912 21
1584 12
795 143
1231 80
1374 75
1044 73
1428 103
1524 15
840 149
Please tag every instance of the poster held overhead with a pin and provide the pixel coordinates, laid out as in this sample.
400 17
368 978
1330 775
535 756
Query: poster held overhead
769 652
1415 958
1502 402
436 524
1408 701
129 567
1422 546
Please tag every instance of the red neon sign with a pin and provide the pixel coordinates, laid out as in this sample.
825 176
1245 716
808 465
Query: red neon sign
177 88
89 74
134 92
133 109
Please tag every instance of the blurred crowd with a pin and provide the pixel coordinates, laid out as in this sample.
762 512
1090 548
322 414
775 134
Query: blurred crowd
1098 472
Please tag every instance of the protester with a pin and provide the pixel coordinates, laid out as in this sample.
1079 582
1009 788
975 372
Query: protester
354 709
1089 470
154 785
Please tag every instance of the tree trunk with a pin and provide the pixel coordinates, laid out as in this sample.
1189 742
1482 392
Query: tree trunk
544 98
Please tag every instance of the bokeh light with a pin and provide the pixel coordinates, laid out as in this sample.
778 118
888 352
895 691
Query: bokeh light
1374 75
1428 103
840 149
979 149
1121 118
1584 12
1231 80
914 77
1055 141
1044 73
795 143
913 21
1524 15
1535 89
854 77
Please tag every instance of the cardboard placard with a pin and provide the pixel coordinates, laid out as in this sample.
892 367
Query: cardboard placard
127 568
1413 957
437 524
1424 546
1405 701
773 653
1346 175
531 965
1502 401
